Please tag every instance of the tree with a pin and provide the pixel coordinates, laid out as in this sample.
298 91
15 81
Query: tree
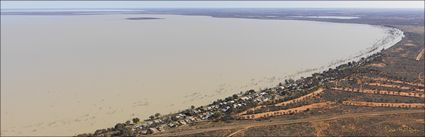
119 126
227 118
235 96
152 117
251 91
192 107
157 115
136 120
273 96
217 114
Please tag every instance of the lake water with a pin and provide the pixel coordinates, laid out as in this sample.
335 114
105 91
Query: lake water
327 17
63 75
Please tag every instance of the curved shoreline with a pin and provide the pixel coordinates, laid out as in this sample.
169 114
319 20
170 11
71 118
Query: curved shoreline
395 36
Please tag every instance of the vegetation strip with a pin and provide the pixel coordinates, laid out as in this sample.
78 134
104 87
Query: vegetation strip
383 92
394 81
381 104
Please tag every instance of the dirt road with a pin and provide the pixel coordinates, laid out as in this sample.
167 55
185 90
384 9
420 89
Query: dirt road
420 54
244 126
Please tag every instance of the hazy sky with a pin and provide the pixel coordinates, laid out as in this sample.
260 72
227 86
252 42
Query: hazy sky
212 4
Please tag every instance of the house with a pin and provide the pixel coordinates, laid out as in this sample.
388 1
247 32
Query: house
157 121
144 132
191 119
225 109
148 123
161 128
245 98
140 127
196 111
206 115
172 125
182 122
152 131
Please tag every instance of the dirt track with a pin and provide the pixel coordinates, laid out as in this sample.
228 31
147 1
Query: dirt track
396 86
420 54
244 126
382 104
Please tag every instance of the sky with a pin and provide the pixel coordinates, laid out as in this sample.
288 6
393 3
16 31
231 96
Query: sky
209 4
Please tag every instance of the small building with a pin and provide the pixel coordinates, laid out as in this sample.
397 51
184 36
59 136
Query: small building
157 121
192 119
172 125
182 122
148 123
161 128
244 98
144 132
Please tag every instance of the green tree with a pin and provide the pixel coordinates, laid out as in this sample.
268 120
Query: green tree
235 96
217 114
136 120
157 115
127 122
119 126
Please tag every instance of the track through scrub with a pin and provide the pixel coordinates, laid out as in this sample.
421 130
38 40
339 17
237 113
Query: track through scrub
244 126
420 54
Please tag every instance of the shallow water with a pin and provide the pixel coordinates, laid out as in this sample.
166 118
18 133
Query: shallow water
328 17
63 75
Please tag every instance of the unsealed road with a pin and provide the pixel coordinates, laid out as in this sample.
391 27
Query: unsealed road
244 126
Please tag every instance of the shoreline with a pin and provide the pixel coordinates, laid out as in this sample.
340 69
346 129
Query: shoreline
375 48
